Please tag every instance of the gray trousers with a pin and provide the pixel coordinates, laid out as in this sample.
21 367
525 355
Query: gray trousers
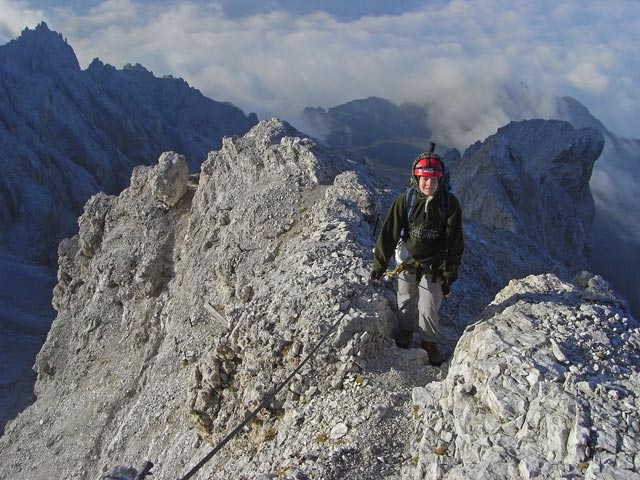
419 304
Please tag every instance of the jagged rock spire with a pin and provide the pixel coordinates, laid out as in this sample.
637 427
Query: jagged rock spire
41 51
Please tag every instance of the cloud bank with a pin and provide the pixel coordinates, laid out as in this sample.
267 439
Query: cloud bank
476 64
458 57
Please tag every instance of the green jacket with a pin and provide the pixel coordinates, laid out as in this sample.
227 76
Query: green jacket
437 243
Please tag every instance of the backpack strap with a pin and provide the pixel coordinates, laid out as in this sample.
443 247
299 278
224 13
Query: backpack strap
410 200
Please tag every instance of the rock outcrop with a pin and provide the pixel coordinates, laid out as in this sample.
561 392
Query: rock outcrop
184 300
616 227
67 134
545 385
217 292
532 178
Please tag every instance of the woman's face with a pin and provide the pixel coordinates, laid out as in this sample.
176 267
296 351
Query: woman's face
428 185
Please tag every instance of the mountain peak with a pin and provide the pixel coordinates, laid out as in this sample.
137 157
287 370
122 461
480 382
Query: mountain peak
41 50
42 28
578 115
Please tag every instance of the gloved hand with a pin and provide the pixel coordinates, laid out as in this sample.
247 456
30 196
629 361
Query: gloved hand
375 276
449 277
446 289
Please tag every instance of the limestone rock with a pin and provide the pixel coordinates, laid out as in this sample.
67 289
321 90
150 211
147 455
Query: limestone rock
177 318
135 293
532 178
509 397
66 135
170 176
91 223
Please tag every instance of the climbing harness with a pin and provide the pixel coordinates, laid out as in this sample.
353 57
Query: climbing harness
407 265
271 395
412 266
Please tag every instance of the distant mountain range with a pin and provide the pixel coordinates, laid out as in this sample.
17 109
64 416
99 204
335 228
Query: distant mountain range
391 135
374 128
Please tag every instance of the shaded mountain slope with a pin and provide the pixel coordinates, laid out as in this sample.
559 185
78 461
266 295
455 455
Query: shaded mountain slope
68 133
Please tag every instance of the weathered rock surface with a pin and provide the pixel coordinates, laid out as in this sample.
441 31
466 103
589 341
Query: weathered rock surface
545 385
532 178
67 134
176 317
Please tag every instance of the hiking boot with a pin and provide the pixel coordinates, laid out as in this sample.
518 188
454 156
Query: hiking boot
404 339
435 357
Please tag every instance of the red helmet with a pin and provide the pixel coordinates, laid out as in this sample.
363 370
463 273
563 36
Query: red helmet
428 165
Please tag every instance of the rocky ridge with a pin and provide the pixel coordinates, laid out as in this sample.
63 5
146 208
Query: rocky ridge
66 134
532 178
185 299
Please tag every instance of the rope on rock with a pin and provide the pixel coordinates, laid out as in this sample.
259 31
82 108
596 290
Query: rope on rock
271 395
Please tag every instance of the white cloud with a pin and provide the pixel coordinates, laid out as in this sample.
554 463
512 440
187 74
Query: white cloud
455 56
114 11
587 76
16 16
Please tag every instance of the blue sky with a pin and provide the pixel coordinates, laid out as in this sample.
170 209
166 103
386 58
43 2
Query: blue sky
458 57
